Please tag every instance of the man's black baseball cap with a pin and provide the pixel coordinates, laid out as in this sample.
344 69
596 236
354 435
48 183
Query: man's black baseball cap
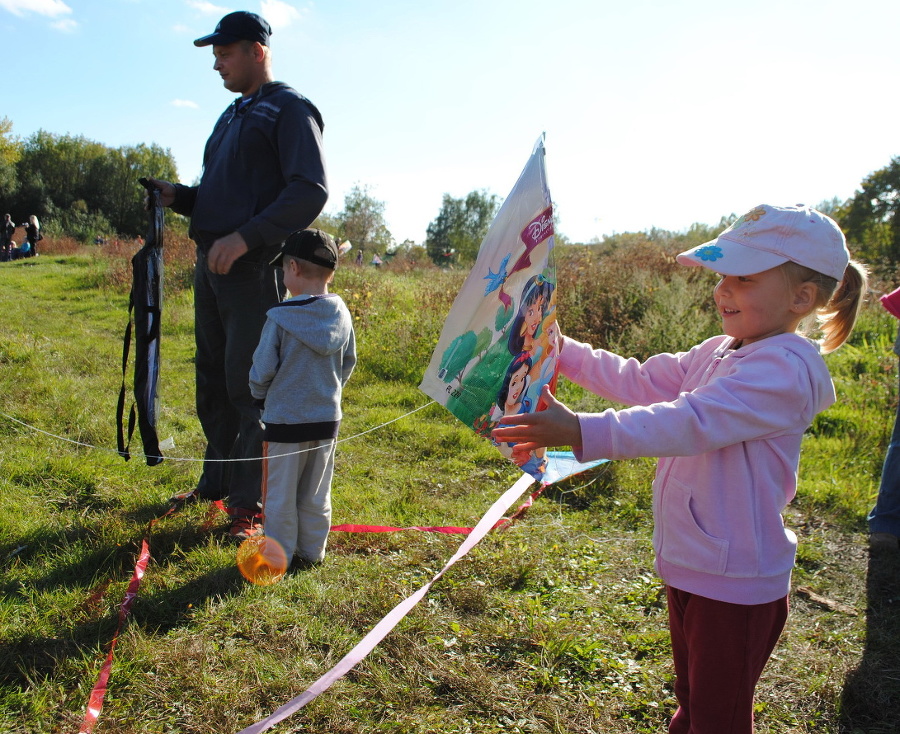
239 26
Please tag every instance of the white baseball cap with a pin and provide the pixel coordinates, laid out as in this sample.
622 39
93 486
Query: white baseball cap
768 236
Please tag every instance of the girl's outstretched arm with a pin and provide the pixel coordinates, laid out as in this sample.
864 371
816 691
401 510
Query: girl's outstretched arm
555 426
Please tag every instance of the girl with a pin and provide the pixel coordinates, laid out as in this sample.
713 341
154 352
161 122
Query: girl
32 235
727 417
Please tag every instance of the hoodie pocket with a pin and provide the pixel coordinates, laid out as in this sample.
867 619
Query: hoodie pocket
684 542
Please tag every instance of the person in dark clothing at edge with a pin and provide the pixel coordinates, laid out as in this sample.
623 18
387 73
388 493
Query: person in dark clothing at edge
7 232
263 178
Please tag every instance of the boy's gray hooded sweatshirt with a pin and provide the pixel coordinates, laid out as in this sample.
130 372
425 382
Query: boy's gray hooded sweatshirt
305 355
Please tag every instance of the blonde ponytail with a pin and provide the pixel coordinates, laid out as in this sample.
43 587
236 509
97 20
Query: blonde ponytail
838 316
837 304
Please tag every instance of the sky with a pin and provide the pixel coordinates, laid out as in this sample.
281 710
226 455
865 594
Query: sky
656 113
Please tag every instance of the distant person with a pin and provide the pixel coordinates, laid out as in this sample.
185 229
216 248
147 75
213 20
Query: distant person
7 232
728 418
263 178
359 257
305 356
32 236
884 519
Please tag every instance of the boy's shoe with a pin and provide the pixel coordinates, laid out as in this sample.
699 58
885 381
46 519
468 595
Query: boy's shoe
244 527
880 542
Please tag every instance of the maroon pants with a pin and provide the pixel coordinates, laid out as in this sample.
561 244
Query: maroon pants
720 650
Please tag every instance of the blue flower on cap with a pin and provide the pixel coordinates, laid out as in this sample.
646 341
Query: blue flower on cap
709 253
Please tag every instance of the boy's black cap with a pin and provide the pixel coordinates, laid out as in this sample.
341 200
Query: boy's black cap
313 245
238 26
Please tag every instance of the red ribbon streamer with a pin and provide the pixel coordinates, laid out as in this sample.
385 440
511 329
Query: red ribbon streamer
98 693
449 530
95 702
350 528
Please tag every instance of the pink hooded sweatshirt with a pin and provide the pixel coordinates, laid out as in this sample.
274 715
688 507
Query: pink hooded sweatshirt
727 425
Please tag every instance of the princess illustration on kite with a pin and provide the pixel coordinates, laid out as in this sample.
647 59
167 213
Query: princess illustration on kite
496 351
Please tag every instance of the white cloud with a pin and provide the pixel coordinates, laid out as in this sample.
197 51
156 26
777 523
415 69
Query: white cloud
51 8
205 7
66 25
279 14
185 103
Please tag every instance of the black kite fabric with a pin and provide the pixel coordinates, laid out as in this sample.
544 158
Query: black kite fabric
145 303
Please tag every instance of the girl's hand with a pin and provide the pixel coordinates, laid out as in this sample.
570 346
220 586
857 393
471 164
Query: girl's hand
555 426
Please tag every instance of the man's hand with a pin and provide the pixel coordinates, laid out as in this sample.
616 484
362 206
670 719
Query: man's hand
555 426
166 192
224 252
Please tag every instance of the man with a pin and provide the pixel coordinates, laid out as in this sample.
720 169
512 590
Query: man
263 178
7 232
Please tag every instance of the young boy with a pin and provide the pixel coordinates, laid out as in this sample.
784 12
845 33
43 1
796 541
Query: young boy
306 353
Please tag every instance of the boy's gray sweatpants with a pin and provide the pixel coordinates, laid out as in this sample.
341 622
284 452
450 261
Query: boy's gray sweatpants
296 496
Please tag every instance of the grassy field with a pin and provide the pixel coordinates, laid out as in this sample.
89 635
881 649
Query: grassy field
555 624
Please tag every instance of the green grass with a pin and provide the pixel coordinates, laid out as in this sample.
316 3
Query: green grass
556 624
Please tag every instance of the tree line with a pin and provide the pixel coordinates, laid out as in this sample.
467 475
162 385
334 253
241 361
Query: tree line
871 218
77 187
85 190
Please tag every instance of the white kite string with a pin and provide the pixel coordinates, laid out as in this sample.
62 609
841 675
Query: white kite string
190 459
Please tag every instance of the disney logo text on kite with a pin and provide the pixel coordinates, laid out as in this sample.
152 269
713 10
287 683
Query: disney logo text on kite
539 228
